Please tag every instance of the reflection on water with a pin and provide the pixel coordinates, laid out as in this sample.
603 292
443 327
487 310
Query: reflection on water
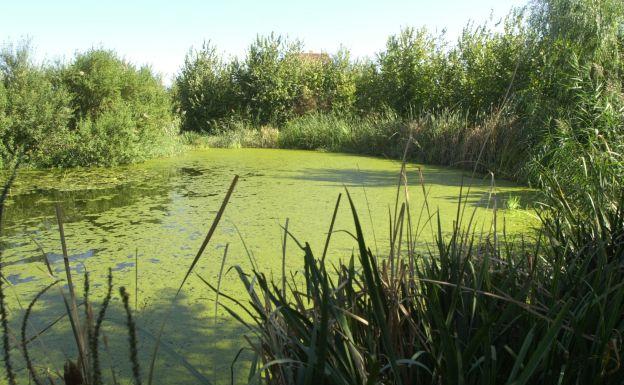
158 213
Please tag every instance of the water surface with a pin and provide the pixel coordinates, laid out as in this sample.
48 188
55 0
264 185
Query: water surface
160 211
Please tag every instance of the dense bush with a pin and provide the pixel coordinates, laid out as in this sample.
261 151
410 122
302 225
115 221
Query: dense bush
121 113
98 110
275 82
408 72
575 104
204 91
487 66
34 112
279 81
417 73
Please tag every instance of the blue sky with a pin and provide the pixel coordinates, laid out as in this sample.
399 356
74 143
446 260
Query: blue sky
160 32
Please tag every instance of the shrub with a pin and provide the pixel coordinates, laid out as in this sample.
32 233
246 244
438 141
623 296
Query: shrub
270 79
121 114
368 89
99 110
488 65
338 87
408 72
205 93
107 137
34 111
274 83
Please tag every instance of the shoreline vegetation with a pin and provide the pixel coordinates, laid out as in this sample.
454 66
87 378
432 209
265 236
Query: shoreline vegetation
519 94
538 98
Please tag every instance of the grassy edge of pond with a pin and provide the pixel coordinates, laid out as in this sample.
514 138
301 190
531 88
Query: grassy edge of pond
444 140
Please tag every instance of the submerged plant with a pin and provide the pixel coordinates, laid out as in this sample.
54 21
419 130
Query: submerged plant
513 202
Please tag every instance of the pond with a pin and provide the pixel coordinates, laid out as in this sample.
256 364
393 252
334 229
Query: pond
159 213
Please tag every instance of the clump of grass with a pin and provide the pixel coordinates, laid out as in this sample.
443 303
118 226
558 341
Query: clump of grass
477 308
512 202
448 137
234 134
335 132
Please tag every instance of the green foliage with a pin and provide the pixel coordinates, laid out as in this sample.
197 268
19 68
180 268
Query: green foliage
510 96
530 91
111 137
475 307
338 91
488 65
271 79
368 89
541 99
512 202
575 103
275 82
204 90
448 138
235 135
35 112
408 71
121 113
99 110
4 121
374 136
314 132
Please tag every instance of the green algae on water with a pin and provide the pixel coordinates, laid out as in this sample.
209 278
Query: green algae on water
163 208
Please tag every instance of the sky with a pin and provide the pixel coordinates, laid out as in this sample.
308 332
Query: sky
160 32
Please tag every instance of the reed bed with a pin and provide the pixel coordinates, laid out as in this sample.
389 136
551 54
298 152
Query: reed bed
476 308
